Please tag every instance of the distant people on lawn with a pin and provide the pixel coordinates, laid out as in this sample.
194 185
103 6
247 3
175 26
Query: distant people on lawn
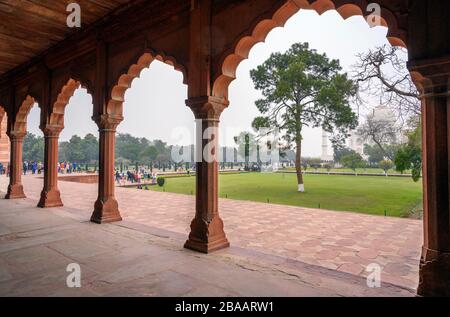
68 167
135 177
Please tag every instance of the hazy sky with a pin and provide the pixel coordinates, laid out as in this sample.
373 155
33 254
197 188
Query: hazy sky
155 105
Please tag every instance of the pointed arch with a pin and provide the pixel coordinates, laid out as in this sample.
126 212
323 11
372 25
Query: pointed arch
20 122
59 107
117 97
3 115
259 32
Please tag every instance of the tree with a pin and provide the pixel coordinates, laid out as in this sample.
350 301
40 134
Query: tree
91 148
75 150
128 147
381 131
374 153
79 150
384 70
386 165
247 145
302 88
312 162
341 151
149 154
409 156
33 148
63 149
353 161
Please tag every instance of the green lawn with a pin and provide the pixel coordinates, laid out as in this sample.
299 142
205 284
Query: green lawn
348 170
371 195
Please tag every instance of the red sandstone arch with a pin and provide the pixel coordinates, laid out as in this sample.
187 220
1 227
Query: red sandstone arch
20 123
58 109
2 115
261 29
115 104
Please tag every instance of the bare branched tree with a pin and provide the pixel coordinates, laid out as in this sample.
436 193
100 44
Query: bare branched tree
382 72
381 132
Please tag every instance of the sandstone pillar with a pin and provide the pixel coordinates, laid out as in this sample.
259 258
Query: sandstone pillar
106 207
207 232
433 79
50 196
15 188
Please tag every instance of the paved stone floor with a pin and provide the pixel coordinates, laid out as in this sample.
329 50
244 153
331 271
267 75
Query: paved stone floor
319 252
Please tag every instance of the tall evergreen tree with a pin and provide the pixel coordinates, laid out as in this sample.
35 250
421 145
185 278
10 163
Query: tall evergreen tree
302 88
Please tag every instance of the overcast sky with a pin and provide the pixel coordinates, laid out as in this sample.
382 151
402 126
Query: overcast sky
155 105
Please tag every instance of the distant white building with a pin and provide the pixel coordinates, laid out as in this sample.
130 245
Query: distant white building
327 150
380 113
354 142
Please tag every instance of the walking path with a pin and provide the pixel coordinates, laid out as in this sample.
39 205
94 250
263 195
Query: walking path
339 241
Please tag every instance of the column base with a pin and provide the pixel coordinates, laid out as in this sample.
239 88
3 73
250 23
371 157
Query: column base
434 274
105 212
50 199
15 192
207 237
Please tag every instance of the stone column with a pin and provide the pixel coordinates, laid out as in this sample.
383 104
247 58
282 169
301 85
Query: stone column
433 79
15 188
50 196
207 232
106 207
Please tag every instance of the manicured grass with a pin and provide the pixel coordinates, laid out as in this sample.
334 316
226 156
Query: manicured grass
363 194
348 170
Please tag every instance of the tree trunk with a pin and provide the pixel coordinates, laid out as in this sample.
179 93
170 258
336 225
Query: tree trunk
298 166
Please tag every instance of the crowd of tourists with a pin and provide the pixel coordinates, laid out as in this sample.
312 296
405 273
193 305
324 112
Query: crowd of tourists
122 177
69 168
136 177
38 168
33 167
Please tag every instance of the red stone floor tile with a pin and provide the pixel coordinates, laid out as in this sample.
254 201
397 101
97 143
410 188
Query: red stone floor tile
338 240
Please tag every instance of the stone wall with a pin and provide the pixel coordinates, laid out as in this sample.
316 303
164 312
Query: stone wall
84 179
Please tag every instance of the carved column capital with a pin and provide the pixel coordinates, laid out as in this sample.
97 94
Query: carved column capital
207 107
51 131
108 123
431 76
16 135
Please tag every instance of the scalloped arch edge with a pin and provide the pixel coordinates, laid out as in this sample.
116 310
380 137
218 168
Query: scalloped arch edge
262 29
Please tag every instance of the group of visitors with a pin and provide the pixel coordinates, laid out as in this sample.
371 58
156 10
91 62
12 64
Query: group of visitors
33 167
68 168
135 177
4 170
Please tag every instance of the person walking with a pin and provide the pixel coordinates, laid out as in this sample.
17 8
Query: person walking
118 177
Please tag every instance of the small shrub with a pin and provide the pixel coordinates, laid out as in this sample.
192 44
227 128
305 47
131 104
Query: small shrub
161 181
